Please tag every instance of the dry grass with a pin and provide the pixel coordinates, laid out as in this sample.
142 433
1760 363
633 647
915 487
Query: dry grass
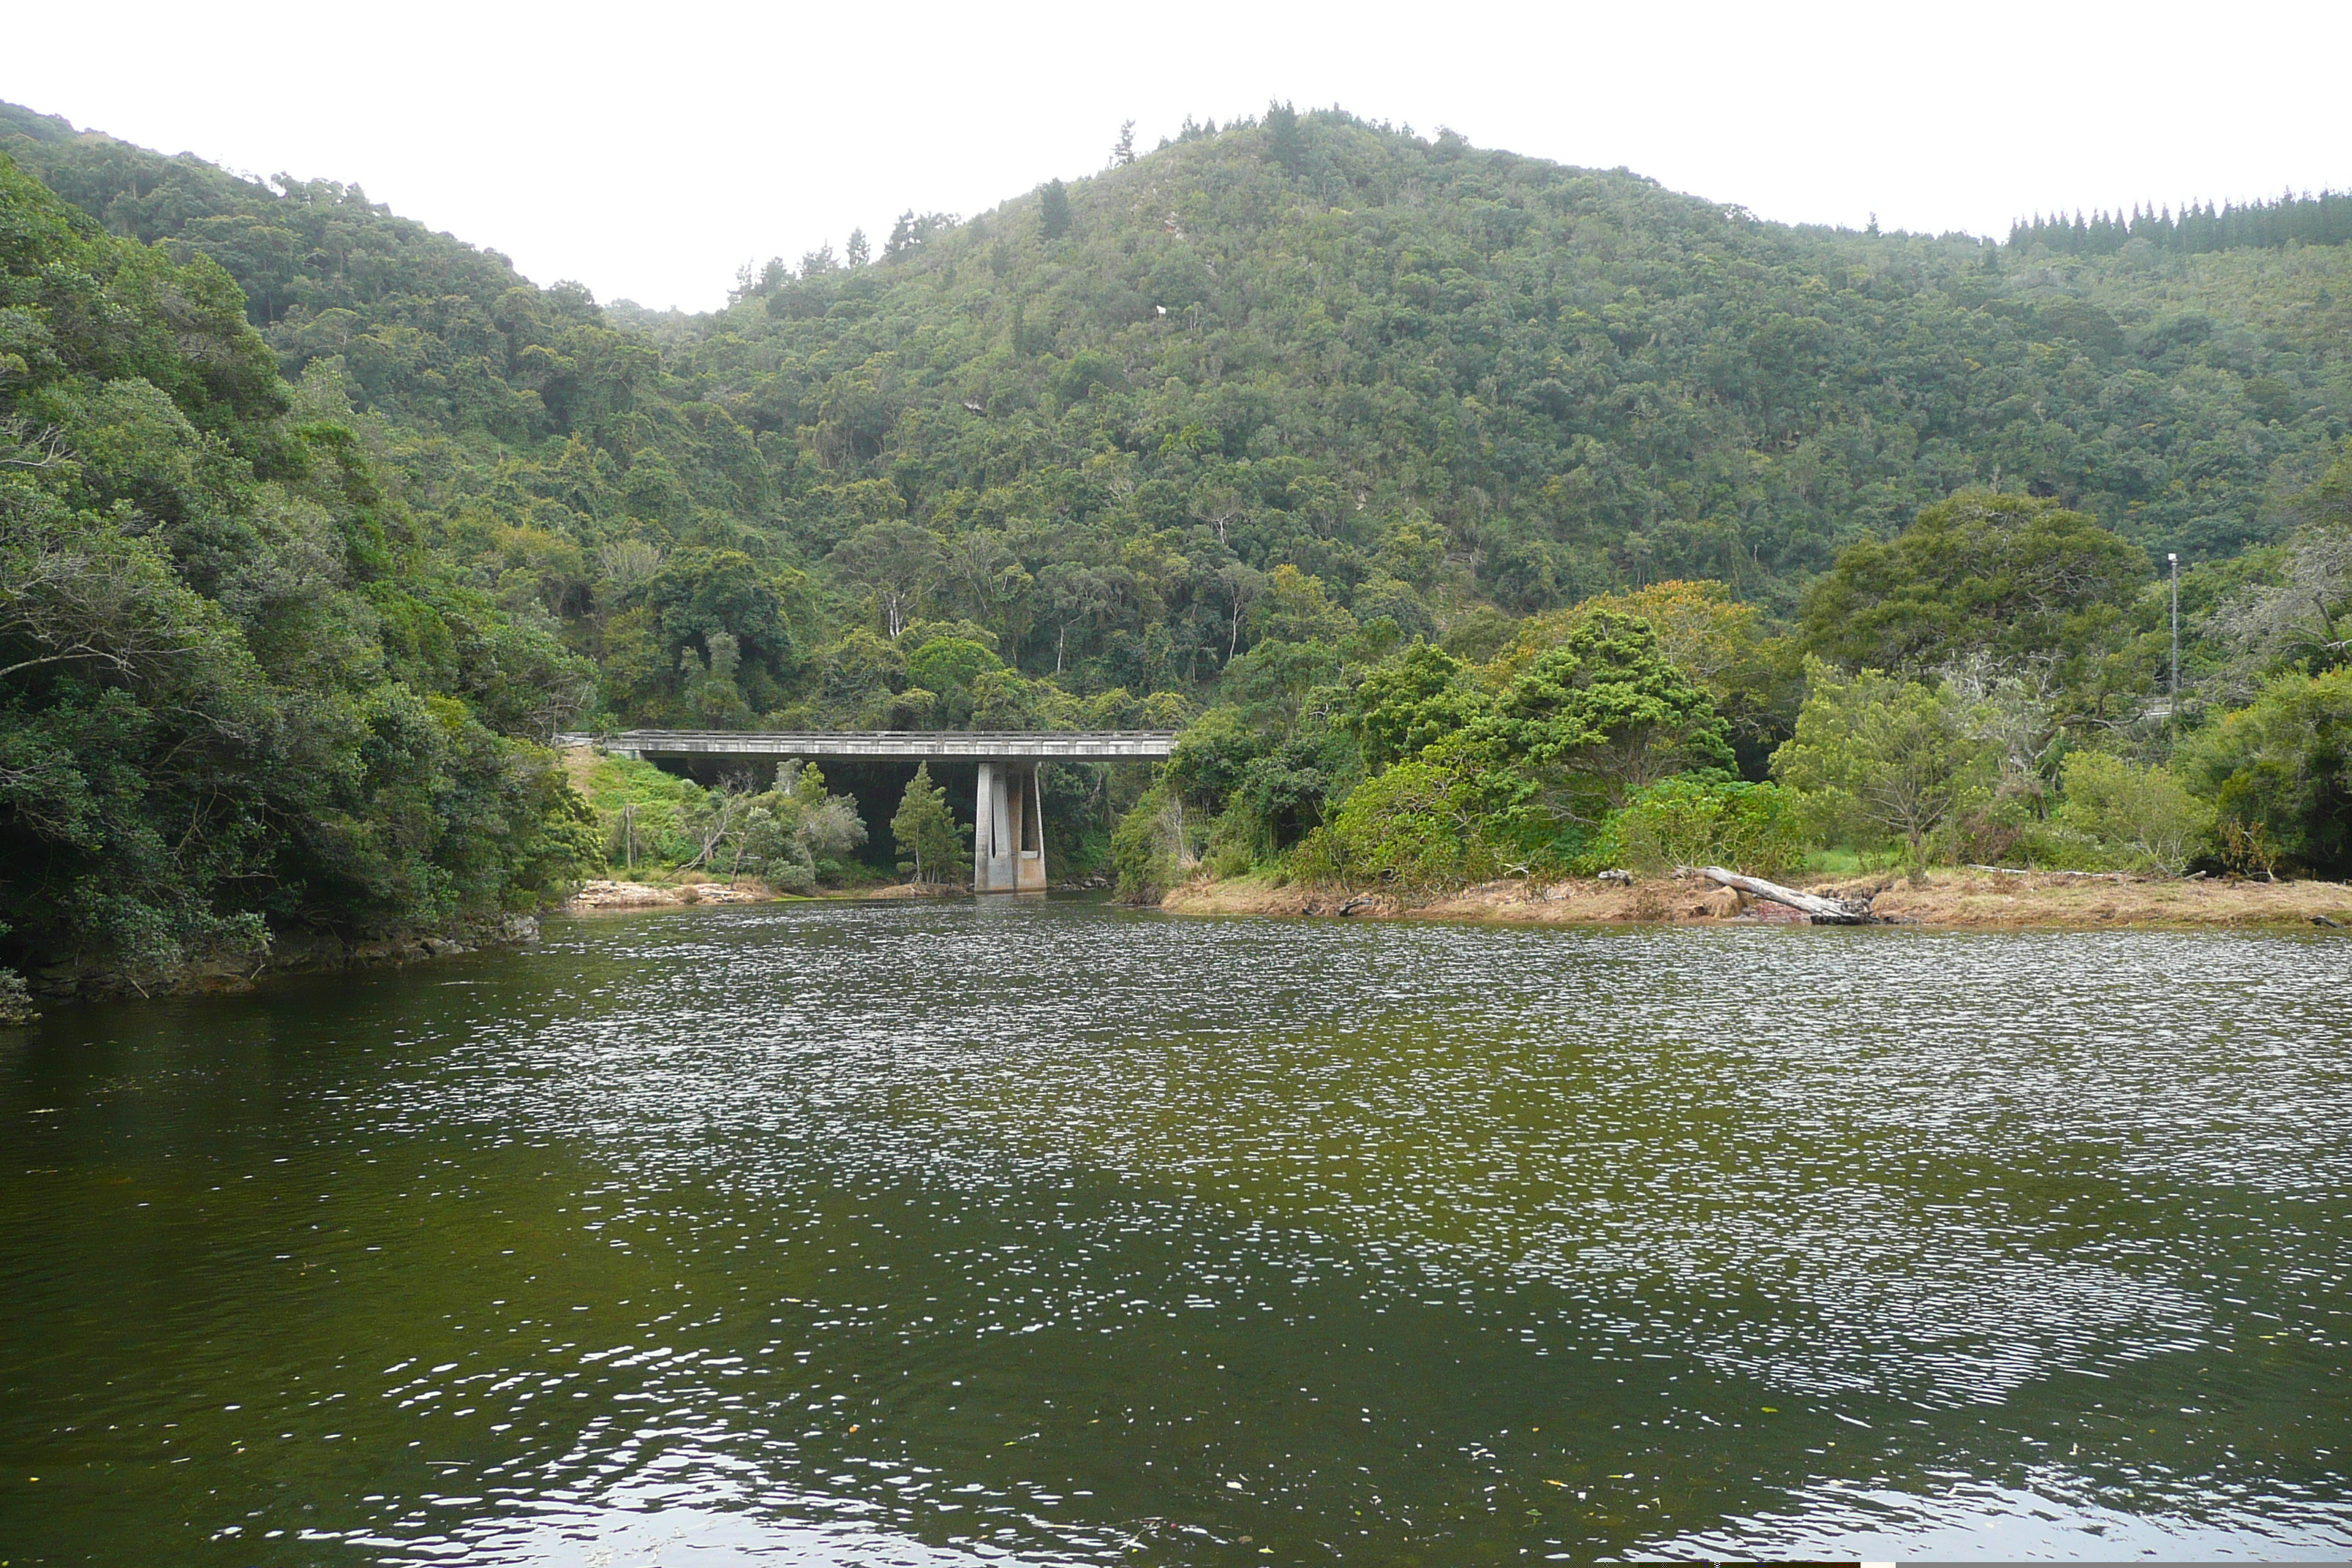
579 762
1953 899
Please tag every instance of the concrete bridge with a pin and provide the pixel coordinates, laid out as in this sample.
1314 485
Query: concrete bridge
1008 837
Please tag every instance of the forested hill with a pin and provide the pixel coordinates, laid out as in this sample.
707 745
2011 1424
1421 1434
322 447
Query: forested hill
1431 374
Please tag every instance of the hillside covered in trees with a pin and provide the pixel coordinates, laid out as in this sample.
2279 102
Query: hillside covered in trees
1218 427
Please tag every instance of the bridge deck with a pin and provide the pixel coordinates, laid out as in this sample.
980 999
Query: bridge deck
890 745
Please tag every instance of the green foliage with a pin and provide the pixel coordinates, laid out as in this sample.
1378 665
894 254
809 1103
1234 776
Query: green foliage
933 851
644 814
1210 757
1419 828
1408 703
1754 828
1278 800
1979 573
2291 606
1753 676
1153 845
2144 817
237 691
2323 219
2279 772
790 835
1885 759
1456 375
15 1002
1591 720
1053 210
1334 398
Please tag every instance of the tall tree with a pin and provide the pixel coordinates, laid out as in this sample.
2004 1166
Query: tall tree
1053 210
931 852
2007 575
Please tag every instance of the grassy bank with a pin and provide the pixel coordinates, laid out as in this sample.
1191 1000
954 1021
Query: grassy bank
1955 899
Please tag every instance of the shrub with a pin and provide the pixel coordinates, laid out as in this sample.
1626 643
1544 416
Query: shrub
1697 821
1885 759
15 1002
1414 828
1149 851
2144 816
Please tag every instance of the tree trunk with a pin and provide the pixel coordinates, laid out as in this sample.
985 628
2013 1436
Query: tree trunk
1822 911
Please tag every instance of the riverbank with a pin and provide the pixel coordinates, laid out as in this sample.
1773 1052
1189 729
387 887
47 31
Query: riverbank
287 953
603 896
1953 899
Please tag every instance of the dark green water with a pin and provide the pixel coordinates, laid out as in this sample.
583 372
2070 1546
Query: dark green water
1056 1233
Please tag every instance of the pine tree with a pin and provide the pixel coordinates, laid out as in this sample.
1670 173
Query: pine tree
857 252
1284 144
1054 210
926 834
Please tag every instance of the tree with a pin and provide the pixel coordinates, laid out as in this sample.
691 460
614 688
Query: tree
1753 677
1884 757
894 561
1407 703
1595 719
2007 575
791 827
1053 210
1122 151
1417 829
1283 142
2281 766
933 850
858 253
1677 822
2302 609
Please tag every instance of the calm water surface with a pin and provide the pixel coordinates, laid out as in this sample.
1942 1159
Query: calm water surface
1053 1232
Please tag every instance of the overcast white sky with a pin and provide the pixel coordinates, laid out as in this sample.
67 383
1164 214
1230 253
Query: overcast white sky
648 150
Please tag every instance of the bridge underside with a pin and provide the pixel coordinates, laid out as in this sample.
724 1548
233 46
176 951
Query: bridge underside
1008 835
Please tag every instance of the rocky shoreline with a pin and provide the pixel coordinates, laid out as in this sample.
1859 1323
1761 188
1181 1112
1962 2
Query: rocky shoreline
1957 900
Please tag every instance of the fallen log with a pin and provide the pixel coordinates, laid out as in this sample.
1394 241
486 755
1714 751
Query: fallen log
1820 910
2084 876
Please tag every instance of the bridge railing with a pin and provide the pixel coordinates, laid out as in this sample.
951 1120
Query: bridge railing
879 746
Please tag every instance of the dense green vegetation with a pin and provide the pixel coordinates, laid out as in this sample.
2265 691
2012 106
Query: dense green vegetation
1304 407
2323 219
1982 687
241 691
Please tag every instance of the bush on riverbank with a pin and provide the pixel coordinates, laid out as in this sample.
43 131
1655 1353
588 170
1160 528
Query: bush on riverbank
2014 719
794 834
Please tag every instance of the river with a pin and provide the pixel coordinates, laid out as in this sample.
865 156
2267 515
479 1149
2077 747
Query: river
1051 1232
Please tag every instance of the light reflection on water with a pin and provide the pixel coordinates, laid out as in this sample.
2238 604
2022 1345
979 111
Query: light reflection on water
1056 1233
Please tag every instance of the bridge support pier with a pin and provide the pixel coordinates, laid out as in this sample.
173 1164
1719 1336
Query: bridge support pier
1008 830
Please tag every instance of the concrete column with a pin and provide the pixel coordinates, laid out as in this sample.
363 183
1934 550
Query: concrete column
1030 873
1008 835
993 832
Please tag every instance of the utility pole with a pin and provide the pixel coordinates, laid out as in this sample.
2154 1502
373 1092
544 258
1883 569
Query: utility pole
2175 561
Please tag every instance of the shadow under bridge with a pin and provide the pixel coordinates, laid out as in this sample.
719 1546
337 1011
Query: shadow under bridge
1008 838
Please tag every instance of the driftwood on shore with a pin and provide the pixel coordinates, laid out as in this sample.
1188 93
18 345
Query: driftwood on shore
2080 876
1822 911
